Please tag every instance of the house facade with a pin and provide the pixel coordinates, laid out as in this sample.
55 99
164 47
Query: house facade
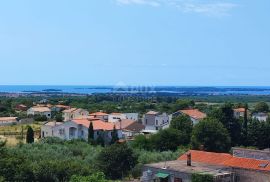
155 121
239 112
43 111
74 113
78 129
7 121
115 117
100 115
260 116
129 128
132 116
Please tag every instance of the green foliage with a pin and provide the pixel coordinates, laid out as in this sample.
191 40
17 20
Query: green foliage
97 177
29 135
198 177
225 115
261 107
211 135
116 161
100 139
59 117
40 118
184 125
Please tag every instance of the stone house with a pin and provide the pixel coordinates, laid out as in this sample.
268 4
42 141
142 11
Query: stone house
74 113
155 121
37 110
195 115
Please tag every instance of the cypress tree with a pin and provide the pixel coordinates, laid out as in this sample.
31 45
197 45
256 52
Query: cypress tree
114 136
30 135
91 133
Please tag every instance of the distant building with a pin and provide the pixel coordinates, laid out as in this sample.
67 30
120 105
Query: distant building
245 165
100 115
21 107
59 108
78 129
129 127
115 117
43 111
260 116
132 116
74 113
6 121
194 114
239 112
155 121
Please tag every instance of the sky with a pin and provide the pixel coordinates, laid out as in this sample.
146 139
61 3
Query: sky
135 42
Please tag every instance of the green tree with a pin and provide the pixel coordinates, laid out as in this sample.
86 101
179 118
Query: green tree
100 139
29 135
116 161
114 136
167 139
91 133
184 124
141 142
211 135
225 115
97 177
261 107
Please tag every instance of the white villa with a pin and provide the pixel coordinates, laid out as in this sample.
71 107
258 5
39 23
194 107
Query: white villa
43 111
78 129
115 117
74 113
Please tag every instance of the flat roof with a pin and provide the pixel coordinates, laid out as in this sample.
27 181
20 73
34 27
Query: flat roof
181 166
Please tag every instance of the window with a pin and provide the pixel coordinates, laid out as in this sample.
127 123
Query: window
145 121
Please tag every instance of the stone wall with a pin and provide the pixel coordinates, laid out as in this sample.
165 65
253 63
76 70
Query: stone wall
244 175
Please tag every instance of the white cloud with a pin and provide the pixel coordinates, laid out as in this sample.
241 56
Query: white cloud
205 7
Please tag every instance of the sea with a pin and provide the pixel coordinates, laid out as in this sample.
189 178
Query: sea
185 90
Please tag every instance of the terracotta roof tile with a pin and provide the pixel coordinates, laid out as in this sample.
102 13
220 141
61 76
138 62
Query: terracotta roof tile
97 124
227 160
194 113
239 110
98 114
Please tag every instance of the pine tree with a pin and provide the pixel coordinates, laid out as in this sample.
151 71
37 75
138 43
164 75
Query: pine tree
245 125
30 135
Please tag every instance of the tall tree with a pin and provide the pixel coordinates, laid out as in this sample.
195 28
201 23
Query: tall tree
91 133
29 135
116 161
211 135
184 124
225 115
115 137
261 107
245 126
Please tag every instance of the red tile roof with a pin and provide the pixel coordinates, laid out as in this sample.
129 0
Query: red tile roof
207 157
226 160
240 110
97 124
194 113
98 114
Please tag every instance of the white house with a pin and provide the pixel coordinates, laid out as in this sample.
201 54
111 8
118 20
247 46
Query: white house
260 116
74 113
43 111
78 129
155 121
132 116
115 117
129 127
194 114
239 112
6 121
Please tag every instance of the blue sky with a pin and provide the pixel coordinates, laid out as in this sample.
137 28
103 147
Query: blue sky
135 42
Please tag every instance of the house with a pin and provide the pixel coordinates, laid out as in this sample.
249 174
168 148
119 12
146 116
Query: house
243 165
100 115
194 114
74 113
59 108
114 117
6 121
132 116
36 110
154 121
261 116
78 129
21 107
129 127
239 112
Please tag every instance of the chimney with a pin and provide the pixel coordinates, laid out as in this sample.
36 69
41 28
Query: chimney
189 159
